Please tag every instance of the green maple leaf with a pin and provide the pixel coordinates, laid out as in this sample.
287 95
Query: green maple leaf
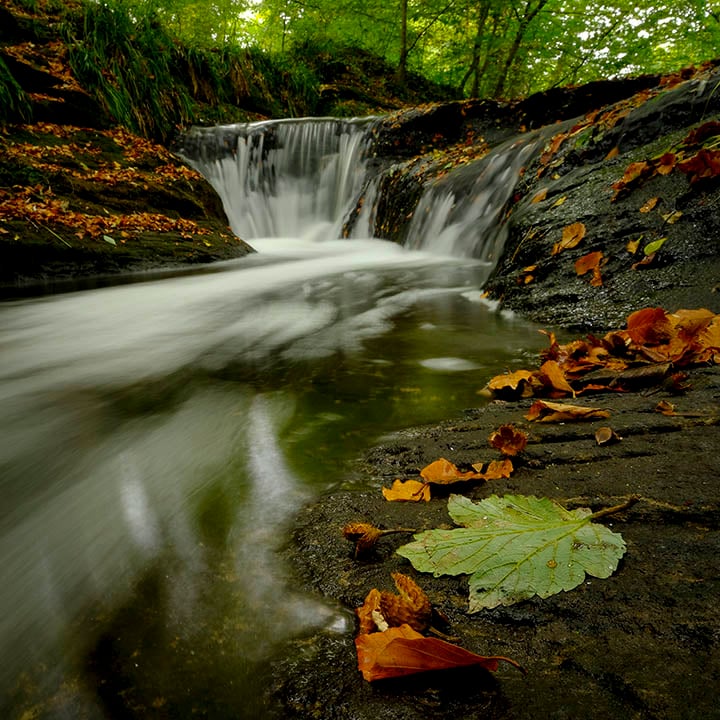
515 547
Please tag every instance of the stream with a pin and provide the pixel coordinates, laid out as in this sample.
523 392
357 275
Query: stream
158 436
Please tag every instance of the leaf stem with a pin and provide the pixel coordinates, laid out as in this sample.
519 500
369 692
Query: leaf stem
616 508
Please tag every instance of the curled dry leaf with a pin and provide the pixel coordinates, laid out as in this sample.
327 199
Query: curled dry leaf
665 408
401 651
383 609
365 536
545 411
606 436
495 470
407 491
443 472
512 385
508 440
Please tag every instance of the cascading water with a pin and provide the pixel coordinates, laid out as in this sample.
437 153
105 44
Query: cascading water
284 178
294 178
159 437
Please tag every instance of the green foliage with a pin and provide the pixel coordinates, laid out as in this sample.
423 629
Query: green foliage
515 547
128 61
14 104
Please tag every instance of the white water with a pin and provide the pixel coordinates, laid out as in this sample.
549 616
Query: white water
156 438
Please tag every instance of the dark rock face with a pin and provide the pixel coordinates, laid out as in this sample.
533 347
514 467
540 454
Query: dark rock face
578 182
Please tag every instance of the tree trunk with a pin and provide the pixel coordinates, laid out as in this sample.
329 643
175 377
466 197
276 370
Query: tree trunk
402 64
525 20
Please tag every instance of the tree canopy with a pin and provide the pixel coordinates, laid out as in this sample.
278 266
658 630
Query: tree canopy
486 48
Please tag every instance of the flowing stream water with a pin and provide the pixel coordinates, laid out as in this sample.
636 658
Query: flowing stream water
157 437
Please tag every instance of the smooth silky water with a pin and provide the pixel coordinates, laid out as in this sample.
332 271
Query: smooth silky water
158 437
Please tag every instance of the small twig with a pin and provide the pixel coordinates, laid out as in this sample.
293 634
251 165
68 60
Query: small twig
44 227
616 508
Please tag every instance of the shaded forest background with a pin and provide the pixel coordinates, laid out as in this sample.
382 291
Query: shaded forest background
159 65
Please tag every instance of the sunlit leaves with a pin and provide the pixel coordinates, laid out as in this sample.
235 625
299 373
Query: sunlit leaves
515 547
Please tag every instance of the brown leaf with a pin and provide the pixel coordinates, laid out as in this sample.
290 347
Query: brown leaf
401 651
551 375
511 385
606 436
546 411
508 440
539 196
443 472
665 407
571 236
409 490
496 469
649 205
592 262
410 606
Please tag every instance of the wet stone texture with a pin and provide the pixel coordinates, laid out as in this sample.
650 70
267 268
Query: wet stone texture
644 643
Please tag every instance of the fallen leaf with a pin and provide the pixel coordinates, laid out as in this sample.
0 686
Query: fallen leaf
511 385
606 436
571 236
496 469
633 245
559 201
365 535
408 490
515 547
443 472
649 205
383 609
551 375
665 407
539 196
592 262
508 440
546 411
672 217
401 651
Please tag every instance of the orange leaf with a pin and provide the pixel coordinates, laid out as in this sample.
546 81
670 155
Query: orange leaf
648 326
511 385
401 651
410 490
508 440
539 196
649 205
666 164
443 472
592 262
551 374
571 236
545 411
496 469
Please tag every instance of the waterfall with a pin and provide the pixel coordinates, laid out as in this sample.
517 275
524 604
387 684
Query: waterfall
283 178
301 178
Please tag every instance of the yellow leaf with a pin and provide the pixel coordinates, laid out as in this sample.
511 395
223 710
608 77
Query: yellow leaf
571 236
408 491
559 201
649 205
